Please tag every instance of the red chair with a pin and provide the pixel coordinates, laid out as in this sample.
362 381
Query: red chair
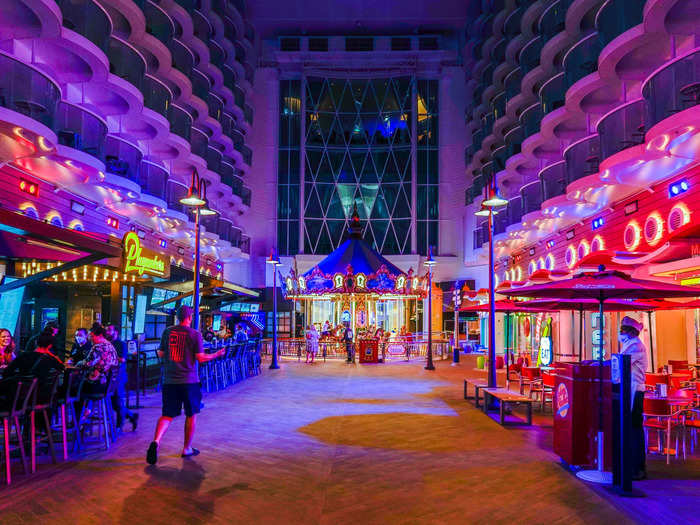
500 362
659 417
678 365
548 382
529 376
678 381
651 380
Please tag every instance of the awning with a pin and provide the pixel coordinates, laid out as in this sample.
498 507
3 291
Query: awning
22 237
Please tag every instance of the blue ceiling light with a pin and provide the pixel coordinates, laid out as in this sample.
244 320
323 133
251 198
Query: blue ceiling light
163 243
597 223
550 244
678 187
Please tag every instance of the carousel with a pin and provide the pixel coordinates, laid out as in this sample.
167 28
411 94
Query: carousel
356 286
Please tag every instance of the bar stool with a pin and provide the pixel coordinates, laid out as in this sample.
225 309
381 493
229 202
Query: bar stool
68 396
43 400
21 396
97 409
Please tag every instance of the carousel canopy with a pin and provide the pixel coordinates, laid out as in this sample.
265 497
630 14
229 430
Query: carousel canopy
354 267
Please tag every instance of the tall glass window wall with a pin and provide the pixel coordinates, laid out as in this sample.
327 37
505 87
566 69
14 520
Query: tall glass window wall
358 153
288 168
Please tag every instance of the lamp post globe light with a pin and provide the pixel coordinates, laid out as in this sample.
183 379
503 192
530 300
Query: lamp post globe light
430 263
274 261
197 198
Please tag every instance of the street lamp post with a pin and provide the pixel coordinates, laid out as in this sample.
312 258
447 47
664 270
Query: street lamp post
197 198
488 206
430 262
457 298
273 261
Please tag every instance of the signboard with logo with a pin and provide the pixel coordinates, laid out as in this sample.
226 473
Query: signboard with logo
546 354
138 260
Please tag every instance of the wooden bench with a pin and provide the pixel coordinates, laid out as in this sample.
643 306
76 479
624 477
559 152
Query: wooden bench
506 397
478 384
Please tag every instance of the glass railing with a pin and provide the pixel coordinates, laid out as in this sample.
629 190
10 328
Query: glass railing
26 91
247 155
123 159
512 83
215 105
487 124
476 50
86 18
180 122
176 191
672 89
158 23
237 186
531 195
500 222
515 210
236 236
227 124
622 128
477 239
211 222
226 171
240 51
553 179
487 170
581 60
154 180
530 120
189 5
217 55
513 140
246 195
499 155
229 30
616 17
530 55
199 142
156 95
126 63
223 229
477 138
183 59
79 129
237 137
477 186
582 158
238 96
498 53
200 84
552 94
249 32
511 27
498 105
213 159
487 75
478 93
553 20
468 155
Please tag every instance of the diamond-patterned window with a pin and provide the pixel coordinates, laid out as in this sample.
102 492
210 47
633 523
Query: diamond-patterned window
357 145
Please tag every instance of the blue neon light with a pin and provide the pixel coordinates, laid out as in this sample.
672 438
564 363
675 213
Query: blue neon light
678 187
597 223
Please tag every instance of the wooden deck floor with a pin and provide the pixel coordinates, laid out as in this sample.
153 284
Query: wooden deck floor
324 444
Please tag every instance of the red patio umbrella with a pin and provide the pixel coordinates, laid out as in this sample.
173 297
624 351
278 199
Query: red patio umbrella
602 286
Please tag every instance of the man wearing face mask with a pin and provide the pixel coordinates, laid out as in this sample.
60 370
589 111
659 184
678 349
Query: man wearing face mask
81 347
631 345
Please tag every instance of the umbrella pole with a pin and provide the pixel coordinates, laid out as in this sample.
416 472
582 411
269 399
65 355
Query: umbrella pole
506 349
651 343
580 335
599 475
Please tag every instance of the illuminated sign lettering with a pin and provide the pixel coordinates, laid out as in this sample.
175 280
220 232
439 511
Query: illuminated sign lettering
400 282
302 283
338 280
360 280
139 260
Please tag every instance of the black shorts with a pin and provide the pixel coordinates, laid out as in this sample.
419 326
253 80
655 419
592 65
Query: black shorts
176 396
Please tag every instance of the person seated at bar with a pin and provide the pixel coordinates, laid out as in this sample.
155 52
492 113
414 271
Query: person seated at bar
631 345
101 359
7 347
240 336
39 363
81 346
50 328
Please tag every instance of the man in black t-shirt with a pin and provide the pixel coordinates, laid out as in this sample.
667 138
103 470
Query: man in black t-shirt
181 349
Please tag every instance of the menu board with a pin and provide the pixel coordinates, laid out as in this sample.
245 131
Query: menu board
10 305
240 307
